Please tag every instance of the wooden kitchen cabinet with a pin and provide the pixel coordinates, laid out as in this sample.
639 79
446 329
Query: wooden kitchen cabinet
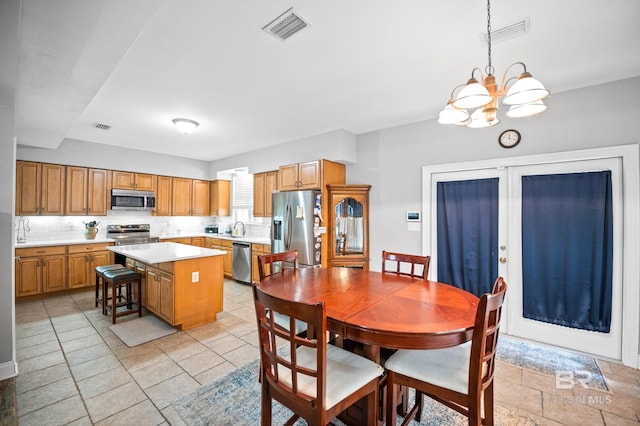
160 293
190 197
220 200
163 196
39 188
40 270
257 250
263 186
131 180
199 241
310 175
82 260
140 268
86 191
348 225
227 261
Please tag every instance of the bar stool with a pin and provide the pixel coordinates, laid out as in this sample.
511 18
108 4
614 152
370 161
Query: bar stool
117 279
100 295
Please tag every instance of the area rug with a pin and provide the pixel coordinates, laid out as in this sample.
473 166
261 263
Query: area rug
551 361
141 330
235 400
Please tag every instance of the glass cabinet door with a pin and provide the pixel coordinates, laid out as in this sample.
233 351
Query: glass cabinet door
349 227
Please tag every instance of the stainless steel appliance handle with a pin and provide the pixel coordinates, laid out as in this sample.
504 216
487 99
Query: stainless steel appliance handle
288 220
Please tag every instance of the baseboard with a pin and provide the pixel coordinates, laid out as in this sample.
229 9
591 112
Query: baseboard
8 370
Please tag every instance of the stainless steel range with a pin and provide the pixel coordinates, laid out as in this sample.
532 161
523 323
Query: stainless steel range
130 234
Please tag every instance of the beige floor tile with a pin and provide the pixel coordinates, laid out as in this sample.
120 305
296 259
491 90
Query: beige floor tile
186 350
83 421
41 361
215 373
172 417
613 420
44 327
60 413
569 410
623 384
252 338
36 340
543 382
28 381
104 382
143 358
242 355
156 373
72 325
51 393
164 393
88 354
93 367
144 413
113 401
81 343
77 333
617 403
508 372
226 344
173 340
518 396
242 329
37 350
200 362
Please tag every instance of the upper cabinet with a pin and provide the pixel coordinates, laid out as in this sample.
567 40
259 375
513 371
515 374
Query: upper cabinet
163 196
220 200
348 225
137 181
310 175
263 186
190 197
86 191
39 189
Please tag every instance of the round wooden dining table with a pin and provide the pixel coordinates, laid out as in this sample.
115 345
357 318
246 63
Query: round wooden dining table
381 310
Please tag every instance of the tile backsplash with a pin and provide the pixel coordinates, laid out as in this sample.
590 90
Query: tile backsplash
47 228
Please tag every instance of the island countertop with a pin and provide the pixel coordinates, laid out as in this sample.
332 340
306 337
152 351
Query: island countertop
164 252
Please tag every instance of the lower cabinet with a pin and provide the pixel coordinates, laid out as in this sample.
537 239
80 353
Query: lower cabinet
140 268
160 293
40 270
82 261
227 261
257 250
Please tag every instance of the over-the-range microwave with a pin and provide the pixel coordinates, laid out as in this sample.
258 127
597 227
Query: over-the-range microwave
125 199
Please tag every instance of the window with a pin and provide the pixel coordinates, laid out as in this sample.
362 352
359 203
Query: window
242 197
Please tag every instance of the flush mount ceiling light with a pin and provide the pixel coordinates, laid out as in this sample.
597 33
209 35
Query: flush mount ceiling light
523 94
184 125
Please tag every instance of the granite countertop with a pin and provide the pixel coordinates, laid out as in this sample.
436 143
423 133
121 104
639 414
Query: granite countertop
164 252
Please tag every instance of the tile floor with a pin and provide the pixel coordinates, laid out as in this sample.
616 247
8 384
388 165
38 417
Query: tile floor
74 370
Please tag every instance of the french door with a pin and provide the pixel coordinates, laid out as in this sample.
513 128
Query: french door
510 247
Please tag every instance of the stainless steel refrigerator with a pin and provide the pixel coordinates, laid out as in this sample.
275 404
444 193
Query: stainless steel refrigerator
293 218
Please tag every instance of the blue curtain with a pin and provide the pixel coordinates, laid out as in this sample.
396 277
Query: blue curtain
567 252
467 225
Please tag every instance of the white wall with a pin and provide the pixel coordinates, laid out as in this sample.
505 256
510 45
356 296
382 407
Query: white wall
9 13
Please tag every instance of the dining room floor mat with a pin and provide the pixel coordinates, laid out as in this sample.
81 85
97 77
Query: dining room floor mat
551 361
141 330
211 404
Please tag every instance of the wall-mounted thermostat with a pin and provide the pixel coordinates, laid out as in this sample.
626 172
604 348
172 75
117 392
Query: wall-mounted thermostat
413 216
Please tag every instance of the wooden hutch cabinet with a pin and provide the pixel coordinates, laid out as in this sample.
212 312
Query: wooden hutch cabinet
348 225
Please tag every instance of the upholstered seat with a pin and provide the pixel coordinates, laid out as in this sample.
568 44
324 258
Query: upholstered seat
117 280
100 296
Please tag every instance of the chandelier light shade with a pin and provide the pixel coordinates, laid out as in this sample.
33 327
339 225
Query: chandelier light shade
185 125
524 95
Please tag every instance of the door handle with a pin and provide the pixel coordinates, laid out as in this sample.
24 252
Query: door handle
503 260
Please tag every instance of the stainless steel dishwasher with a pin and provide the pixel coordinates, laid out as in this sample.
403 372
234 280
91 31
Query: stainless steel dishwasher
242 261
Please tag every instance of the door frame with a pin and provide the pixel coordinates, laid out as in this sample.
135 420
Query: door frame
629 155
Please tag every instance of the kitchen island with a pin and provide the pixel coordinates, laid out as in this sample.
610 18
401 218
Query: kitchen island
182 284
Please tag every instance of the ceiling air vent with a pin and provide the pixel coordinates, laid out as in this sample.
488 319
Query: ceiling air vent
101 126
504 33
286 25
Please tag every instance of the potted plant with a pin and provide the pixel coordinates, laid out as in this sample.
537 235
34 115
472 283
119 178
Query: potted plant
90 229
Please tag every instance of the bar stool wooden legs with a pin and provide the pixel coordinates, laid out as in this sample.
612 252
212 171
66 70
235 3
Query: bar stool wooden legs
117 280
100 290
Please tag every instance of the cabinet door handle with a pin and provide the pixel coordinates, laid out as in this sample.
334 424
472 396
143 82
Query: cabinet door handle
18 258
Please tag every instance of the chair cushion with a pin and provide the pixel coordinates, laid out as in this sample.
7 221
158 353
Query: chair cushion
121 275
102 269
447 368
346 373
283 321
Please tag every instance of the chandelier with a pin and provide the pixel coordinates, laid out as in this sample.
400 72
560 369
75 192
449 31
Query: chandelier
523 94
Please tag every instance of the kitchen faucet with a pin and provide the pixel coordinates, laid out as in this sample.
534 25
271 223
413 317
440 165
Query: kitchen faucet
234 228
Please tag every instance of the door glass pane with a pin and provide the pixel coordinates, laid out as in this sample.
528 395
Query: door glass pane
349 227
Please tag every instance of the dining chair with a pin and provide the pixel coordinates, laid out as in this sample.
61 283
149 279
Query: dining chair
266 262
315 380
460 377
418 266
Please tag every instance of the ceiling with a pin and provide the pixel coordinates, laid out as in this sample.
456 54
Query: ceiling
360 66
